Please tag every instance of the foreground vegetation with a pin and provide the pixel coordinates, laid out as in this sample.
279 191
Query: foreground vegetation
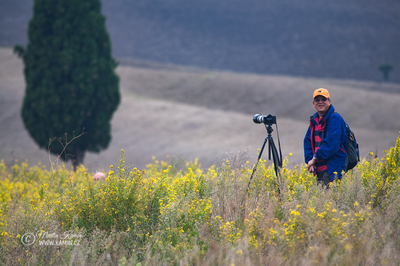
175 214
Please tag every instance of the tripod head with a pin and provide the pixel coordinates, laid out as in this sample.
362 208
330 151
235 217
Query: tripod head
269 129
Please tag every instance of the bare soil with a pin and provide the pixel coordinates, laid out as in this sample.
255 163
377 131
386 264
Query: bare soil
189 113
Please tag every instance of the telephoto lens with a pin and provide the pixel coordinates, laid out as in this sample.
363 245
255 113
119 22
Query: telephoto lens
257 118
266 119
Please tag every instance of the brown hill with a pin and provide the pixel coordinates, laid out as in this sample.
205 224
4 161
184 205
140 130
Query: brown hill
192 113
327 39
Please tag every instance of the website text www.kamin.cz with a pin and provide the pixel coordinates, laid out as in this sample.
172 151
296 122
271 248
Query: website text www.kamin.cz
59 242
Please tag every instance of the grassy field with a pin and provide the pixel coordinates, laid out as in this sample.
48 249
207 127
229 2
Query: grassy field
198 216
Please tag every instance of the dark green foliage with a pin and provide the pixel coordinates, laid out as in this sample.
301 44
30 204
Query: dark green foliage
70 79
385 69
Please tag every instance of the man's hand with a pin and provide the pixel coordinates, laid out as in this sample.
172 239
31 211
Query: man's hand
311 165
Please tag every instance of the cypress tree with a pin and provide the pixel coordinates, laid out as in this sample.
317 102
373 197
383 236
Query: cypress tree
70 76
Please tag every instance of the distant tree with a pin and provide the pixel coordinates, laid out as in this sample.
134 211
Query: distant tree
70 76
385 69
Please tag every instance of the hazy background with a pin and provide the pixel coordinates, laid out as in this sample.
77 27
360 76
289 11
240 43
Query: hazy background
316 38
193 74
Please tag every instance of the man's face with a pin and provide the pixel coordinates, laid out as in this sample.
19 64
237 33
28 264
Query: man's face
321 104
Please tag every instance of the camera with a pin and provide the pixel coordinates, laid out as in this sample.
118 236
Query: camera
266 119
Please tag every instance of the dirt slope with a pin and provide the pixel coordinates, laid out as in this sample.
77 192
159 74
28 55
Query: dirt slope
192 113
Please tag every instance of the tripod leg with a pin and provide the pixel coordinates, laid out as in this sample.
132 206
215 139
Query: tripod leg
275 156
277 162
258 159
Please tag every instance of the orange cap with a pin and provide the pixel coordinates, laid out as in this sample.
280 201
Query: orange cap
322 92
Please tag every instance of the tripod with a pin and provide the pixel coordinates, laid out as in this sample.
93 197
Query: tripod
276 158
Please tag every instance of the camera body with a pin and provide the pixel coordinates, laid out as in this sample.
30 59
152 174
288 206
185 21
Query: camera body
266 119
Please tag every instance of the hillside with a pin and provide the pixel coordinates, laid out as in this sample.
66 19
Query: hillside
191 113
346 39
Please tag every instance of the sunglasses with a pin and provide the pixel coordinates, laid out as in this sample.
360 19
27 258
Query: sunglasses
317 100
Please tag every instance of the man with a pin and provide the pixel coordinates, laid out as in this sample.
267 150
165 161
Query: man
325 142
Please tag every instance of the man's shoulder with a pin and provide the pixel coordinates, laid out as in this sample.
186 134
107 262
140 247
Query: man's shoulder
337 115
336 118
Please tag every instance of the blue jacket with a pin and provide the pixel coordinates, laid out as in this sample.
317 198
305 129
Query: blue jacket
334 145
